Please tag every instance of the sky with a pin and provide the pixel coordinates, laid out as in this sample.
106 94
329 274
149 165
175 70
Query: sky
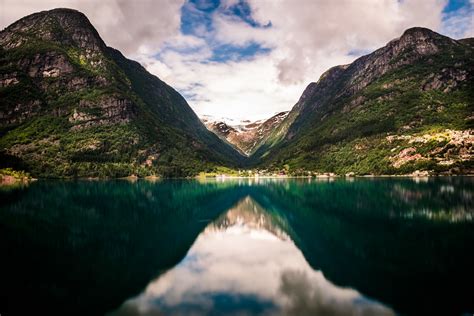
249 59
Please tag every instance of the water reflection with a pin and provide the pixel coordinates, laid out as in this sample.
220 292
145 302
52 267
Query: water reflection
243 263
256 247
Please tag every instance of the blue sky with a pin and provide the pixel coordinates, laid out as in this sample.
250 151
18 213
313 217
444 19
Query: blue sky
197 20
454 5
248 59
458 17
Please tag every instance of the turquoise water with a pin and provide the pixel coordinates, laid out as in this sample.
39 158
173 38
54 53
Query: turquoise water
238 247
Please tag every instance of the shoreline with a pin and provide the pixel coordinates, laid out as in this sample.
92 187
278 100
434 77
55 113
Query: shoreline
335 176
223 178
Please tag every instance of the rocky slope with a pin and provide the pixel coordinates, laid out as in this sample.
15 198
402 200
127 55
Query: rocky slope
246 136
407 106
71 106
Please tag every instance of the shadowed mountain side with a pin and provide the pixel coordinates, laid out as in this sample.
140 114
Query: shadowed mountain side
107 245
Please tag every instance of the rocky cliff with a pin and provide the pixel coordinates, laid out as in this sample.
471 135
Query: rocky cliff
71 106
407 106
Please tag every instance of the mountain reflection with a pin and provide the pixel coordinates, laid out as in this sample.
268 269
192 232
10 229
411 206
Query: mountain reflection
243 263
247 246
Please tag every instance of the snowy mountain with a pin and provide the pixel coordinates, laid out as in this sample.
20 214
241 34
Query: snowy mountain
245 135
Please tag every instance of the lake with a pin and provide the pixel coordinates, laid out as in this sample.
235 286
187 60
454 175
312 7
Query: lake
238 247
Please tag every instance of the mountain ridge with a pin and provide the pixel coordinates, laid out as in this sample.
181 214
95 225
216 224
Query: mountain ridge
420 64
89 111
246 136
72 106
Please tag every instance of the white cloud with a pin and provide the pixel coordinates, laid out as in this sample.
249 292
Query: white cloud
237 89
306 38
306 28
234 31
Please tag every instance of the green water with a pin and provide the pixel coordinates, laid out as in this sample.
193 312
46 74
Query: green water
243 247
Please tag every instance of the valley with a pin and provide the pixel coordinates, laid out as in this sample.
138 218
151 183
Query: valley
245 136
223 157
71 106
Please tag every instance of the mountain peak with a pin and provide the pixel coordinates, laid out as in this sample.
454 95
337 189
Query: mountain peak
418 83
246 136
71 13
68 15
60 79
62 26
419 31
420 40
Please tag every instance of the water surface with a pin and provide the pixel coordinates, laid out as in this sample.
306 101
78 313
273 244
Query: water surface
243 247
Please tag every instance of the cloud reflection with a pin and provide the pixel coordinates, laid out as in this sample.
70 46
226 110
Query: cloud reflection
244 264
311 294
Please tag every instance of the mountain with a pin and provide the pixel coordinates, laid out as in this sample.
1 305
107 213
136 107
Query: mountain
72 106
245 136
407 106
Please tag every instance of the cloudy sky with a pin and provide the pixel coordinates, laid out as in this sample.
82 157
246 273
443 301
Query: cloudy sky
251 58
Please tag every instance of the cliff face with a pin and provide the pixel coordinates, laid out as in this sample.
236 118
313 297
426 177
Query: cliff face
248 136
71 106
364 116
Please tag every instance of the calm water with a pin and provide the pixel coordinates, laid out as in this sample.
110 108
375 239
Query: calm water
274 247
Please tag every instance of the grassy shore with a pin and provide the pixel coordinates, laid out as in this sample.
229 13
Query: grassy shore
10 177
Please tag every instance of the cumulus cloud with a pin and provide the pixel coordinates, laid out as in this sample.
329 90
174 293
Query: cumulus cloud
307 29
305 38
247 89
296 41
